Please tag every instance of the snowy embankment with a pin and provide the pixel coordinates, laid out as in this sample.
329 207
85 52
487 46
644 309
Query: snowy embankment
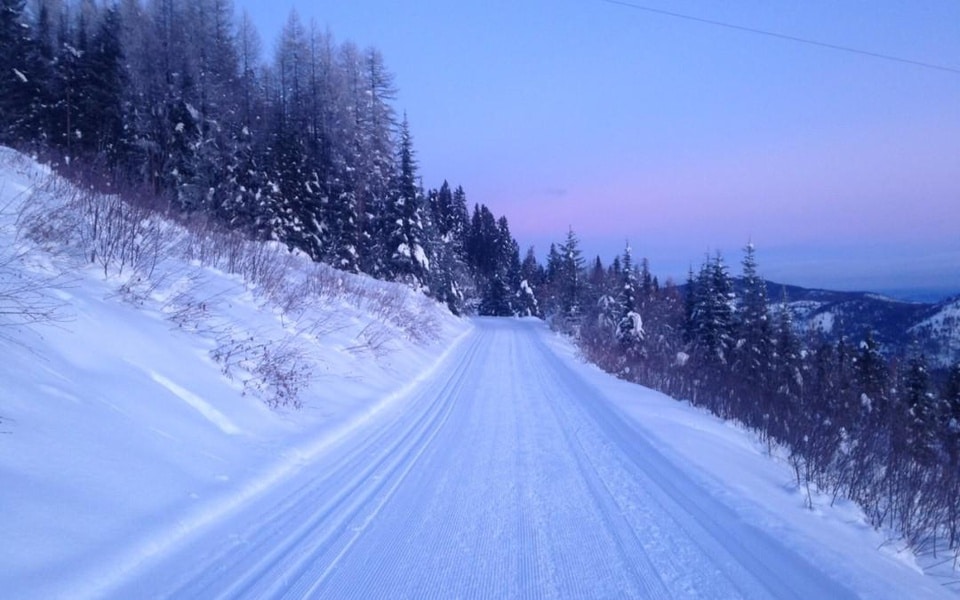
757 483
139 360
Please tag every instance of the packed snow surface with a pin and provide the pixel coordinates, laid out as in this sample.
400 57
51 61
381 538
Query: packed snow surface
485 460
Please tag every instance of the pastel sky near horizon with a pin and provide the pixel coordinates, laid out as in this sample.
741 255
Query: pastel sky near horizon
683 137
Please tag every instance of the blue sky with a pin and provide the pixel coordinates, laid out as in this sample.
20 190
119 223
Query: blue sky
682 137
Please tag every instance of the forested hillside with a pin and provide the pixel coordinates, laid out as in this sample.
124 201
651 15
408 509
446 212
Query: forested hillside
173 104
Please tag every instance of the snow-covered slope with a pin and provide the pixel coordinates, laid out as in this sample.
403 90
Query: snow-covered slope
140 411
939 333
897 325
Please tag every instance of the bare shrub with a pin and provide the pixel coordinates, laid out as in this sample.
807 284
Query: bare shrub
119 236
321 324
186 308
373 338
275 371
324 282
268 267
318 284
214 246
388 304
413 319
281 373
28 295
53 225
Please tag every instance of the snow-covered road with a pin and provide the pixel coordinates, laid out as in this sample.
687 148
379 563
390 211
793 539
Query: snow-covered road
506 475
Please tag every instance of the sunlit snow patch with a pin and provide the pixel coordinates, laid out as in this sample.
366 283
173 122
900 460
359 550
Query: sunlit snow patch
210 413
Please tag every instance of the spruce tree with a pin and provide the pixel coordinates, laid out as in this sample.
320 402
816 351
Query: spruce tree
629 331
783 408
508 265
531 280
17 78
711 315
570 283
921 411
406 256
951 417
482 246
754 347
871 375
100 97
550 302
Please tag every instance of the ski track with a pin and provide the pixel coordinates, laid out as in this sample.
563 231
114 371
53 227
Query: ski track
505 476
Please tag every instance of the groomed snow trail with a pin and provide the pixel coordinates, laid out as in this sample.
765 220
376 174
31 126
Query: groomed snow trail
505 476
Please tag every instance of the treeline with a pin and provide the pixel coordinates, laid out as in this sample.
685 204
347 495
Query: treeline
172 103
882 431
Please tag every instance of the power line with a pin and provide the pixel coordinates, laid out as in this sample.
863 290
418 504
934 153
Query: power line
783 36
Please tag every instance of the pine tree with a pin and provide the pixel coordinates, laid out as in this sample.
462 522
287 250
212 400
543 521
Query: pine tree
482 246
921 412
723 307
951 417
629 331
570 284
249 208
690 299
784 410
508 264
20 90
596 280
42 63
648 283
871 375
754 347
452 282
711 318
450 210
878 441
212 67
495 301
531 281
447 273
844 402
495 260
100 97
530 269
407 259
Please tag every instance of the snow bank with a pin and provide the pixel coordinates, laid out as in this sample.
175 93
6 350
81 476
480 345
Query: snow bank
760 486
140 414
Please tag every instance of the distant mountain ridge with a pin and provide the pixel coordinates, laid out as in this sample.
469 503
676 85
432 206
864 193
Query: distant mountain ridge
896 324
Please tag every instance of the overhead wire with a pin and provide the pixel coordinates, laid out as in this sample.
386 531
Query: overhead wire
783 36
